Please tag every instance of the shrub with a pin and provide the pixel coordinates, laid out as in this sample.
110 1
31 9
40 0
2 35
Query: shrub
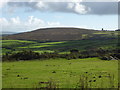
74 51
29 55
23 55
104 58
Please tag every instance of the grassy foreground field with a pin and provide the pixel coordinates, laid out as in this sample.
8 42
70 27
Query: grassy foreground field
61 73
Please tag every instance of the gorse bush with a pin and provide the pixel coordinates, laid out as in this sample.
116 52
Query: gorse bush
23 55
29 55
74 54
49 55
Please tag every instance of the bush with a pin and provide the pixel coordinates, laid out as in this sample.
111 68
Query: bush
23 55
104 58
29 55
49 55
74 51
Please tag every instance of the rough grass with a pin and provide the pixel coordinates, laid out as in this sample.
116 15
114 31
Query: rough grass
42 51
0 75
60 73
61 34
107 32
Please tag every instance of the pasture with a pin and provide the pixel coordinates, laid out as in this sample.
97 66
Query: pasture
60 73
12 46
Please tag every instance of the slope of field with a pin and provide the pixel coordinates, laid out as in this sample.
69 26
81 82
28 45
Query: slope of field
9 46
61 73
60 34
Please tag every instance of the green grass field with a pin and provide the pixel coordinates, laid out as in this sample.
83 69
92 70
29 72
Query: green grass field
11 46
60 73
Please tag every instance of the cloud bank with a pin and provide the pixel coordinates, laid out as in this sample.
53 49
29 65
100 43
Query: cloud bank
68 7
73 6
102 8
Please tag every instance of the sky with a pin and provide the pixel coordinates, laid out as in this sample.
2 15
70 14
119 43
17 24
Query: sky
28 15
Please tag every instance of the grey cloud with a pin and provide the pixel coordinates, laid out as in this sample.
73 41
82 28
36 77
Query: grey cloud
76 7
102 8
119 8
97 8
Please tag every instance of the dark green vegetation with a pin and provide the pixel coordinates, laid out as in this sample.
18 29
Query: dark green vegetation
74 54
10 46
106 49
61 73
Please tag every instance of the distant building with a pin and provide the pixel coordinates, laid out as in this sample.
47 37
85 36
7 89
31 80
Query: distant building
102 29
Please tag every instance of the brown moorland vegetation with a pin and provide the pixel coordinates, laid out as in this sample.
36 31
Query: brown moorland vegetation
55 34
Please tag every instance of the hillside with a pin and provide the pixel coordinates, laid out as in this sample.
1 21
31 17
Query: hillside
57 34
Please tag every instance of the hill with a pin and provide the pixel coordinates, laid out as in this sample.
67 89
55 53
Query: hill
57 34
